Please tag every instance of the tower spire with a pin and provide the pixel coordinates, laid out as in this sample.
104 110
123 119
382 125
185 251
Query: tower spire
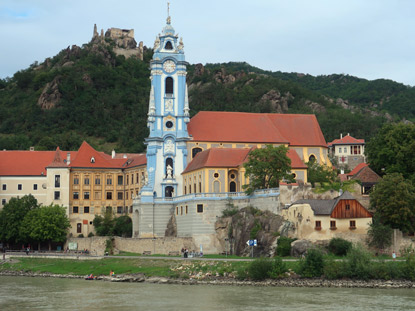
168 13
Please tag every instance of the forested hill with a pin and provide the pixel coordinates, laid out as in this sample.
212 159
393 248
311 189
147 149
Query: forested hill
91 94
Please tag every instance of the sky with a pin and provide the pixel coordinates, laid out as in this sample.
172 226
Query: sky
370 39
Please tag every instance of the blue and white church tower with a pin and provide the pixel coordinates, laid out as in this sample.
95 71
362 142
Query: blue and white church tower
168 115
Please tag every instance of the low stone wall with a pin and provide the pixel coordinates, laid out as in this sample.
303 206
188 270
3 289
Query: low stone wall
163 245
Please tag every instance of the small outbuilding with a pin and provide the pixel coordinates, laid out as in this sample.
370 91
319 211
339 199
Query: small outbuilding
316 220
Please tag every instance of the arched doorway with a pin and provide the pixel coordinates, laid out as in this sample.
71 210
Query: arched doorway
233 179
168 193
232 186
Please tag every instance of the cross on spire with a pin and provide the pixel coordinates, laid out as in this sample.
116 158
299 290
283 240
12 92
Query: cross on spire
168 13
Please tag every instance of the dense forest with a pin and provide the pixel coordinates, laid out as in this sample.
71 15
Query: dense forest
89 93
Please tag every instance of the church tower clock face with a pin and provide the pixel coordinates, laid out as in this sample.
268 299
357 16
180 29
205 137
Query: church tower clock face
169 66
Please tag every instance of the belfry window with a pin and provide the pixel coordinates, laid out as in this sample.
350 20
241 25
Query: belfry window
195 151
168 46
169 85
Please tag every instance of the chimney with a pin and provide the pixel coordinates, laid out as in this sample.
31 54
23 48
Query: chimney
342 171
113 153
32 149
124 156
348 134
68 158
341 135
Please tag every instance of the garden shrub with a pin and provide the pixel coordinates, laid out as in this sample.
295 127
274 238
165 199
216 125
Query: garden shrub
339 246
278 268
313 264
359 263
91 234
334 269
409 267
259 269
284 246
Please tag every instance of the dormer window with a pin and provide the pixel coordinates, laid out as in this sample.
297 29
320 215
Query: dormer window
92 160
168 46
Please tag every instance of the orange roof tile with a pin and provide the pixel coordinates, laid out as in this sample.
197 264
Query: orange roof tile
231 157
27 163
296 162
218 157
269 128
347 140
357 169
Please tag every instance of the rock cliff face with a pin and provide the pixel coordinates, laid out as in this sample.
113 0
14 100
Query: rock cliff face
245 224
50 95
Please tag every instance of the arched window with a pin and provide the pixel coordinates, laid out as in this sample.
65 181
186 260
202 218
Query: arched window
169 85
312 158
168 46
195 151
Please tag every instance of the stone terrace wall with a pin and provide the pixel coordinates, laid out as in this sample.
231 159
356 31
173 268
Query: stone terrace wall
96 245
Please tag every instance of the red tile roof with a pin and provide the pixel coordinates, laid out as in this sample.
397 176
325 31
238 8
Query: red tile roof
34 163
231 157
296 162
27 163
347 140
268 128
218 157
357 169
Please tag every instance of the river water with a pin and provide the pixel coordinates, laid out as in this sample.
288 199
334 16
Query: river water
25 293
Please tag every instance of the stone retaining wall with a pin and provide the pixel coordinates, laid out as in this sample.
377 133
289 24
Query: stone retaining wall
163 245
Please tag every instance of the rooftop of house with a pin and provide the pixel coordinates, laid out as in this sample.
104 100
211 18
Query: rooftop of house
346 140
324 207
35 163
266 128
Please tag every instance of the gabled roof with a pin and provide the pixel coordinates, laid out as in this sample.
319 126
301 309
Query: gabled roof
218 157
347 140
325 207
57 160
366 176
266 128
357 169
90 158
27 163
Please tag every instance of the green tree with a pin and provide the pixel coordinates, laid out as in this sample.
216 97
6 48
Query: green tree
266 167
391 150
104 226
317 173
46 224
123 226
11 217
379 235
393 201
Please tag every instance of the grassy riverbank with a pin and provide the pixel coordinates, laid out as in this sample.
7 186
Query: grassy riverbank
149 267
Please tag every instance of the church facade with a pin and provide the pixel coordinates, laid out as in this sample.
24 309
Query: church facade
195 166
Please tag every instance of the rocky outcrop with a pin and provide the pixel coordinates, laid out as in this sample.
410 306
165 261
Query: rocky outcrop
199 70
50 95
300 247
279 103
249 222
